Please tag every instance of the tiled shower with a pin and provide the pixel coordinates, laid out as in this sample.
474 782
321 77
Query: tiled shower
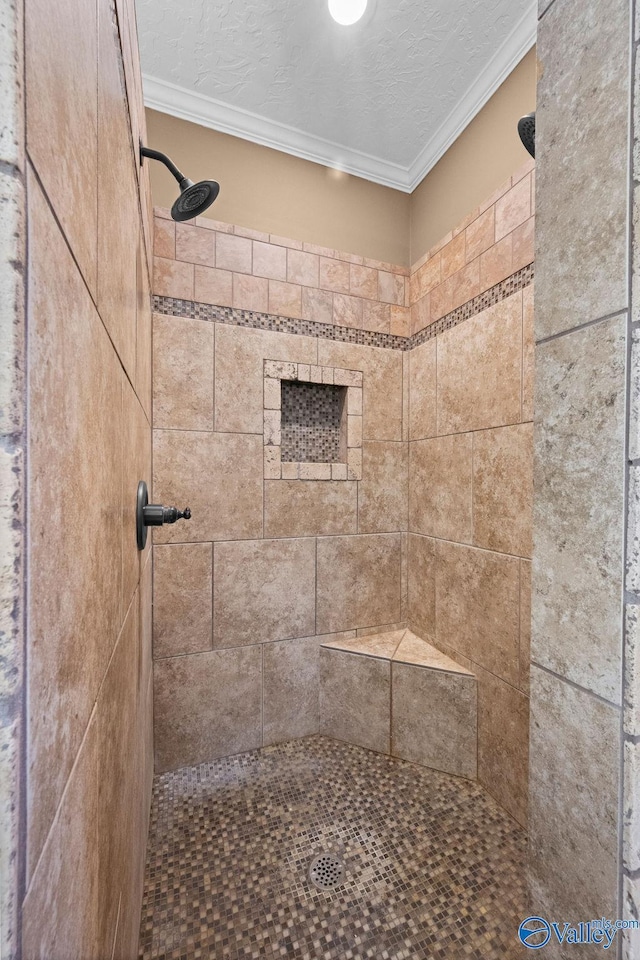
335 656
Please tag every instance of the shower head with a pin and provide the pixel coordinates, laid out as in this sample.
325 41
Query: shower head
527 131
194 198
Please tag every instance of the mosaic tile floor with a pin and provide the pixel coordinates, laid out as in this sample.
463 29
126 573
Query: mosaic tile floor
433 867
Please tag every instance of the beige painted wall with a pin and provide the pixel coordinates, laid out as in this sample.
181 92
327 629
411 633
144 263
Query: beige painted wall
480 160
271 191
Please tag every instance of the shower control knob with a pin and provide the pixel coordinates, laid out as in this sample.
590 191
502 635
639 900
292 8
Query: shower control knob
154 514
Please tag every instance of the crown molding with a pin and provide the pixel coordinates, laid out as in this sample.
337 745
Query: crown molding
188 105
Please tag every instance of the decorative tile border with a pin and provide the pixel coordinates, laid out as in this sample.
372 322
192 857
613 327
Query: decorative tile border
277 469
169 306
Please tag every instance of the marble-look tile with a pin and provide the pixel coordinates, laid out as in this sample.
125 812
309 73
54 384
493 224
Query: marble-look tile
465 284
263 590
317 305
136 466
573 800
381 645
118 847
363 282
194 470
631 807
525 624
434 719
269 261
233 253
144 323
285 299
581 228
440 487
477 607
496 263
514 208
195 245
182 373
528 353
452 257
375 316
62 120
355 699
578 506
291 691
347 311
117 199
75 450
250 293
422 585
182 607
207 705
503 743
212 286
64 889
503 489
422 386
173 278
382 384
239 372
358 581
391 288
413 649
383 490
302 268
479 370
164 238
294 508
480 235
334 275
523 239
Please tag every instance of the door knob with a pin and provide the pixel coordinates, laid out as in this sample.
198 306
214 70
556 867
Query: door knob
154 514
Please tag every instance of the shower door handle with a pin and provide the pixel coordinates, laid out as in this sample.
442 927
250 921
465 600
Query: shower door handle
154 514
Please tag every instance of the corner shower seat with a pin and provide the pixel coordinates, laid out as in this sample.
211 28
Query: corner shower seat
395 693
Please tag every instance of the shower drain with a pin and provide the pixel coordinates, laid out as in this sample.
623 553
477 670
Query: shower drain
326 871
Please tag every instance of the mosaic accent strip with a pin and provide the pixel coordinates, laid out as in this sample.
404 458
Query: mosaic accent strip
281 450
170 306
433 867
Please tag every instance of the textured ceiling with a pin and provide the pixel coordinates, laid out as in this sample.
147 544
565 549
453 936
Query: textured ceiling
383 98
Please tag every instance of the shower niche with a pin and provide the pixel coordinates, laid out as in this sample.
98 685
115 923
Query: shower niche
312 422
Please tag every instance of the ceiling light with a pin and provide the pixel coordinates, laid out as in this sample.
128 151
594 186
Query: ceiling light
346 12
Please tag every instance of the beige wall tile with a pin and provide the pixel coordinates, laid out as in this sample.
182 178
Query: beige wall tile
263 590
496 263
440 487
528 353
75 611
173 278
218 475
302 268
58 122
490 345
292 688
525 624
363 282
355 699
250 293
573 799
400 321
213 286
422 400
441 300
503 743
582 249
347 311
182 373
422 558
375 316
317 305
477 607
182 599
358 581
524 245
452 257
514 208
65 886
164 238
295 508
391 288
503 489
383 491
143 333
269 261
334 275
434 719
136 466
578 511
207 705
285 299
480 235
425 279
233 253
239 372
195 245
382 387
